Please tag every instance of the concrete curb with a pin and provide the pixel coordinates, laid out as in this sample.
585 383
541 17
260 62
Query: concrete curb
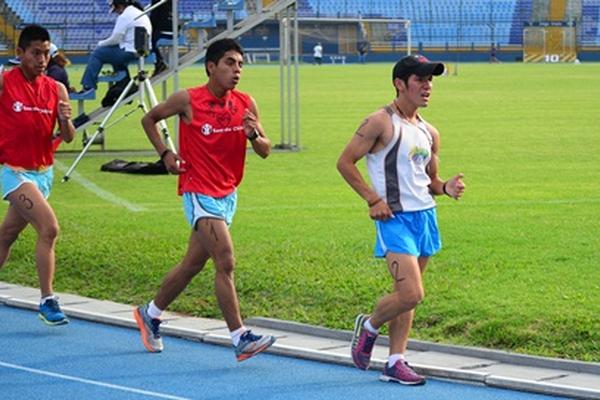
497 355
541 387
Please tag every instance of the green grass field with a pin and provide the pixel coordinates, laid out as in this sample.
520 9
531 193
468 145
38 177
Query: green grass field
518 270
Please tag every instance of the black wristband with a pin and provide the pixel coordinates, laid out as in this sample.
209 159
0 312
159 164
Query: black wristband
444 189
371 204
163 154
254 136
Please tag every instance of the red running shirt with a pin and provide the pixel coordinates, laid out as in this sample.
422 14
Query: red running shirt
213 145
28 112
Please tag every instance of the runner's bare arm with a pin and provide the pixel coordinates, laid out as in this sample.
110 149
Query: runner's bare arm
255 132
65 113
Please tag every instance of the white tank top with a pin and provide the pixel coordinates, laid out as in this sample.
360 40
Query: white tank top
398 171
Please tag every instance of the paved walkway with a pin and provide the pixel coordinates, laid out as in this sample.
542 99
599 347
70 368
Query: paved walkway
479 366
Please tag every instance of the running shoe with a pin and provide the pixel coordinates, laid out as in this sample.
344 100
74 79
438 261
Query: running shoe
51 313
362 343
250 345
149 329
402 373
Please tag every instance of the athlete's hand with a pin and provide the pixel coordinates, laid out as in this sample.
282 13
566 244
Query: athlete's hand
380 211
455 187
250 123
174 164
64 110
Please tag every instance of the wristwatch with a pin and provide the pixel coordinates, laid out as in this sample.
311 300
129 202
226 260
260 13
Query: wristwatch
254 136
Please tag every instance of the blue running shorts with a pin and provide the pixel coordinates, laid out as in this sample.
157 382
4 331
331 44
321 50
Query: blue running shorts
415 233
12 179
198 206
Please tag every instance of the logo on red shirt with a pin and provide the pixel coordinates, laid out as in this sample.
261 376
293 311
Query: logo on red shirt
19 107
207 129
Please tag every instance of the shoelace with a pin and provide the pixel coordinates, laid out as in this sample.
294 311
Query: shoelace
408 368
369 342
155 327
52 304
248 336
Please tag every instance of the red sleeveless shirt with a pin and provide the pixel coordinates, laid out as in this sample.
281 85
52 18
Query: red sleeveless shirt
28 112
213 145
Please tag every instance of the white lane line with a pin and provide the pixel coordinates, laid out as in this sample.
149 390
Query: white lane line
98 191
91 382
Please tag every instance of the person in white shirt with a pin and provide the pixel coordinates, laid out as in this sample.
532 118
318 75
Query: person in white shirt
118 49
318 53
401 150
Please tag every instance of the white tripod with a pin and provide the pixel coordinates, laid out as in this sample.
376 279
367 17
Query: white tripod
141 45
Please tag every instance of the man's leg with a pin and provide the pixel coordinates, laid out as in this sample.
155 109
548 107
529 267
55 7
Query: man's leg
399 329
30 204
201 246
397 369
214 236
181 275
408 289
408 292
10 229
400 326
147 316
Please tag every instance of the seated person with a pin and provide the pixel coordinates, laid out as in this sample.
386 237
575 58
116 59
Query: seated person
118 49
56 68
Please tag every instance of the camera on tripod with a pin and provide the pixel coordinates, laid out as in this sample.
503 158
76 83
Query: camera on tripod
141 41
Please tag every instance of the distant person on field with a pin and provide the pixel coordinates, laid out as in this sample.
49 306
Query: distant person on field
401 151
494 54
119 48
217 122
31 105
318 53
57 67
363 49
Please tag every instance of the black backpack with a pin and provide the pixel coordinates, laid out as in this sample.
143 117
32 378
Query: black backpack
113 93
135 167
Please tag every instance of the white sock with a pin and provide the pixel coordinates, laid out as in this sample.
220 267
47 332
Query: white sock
235 335
394 358
370 328
43 299
153 311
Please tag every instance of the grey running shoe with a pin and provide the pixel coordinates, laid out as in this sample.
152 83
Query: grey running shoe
250 345
149 329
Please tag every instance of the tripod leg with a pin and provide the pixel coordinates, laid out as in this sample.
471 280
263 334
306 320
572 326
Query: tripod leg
98 131
162 123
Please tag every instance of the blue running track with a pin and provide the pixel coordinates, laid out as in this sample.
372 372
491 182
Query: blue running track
85 360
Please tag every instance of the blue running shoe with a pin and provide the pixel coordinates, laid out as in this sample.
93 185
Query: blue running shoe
51 314
149 329
250 345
